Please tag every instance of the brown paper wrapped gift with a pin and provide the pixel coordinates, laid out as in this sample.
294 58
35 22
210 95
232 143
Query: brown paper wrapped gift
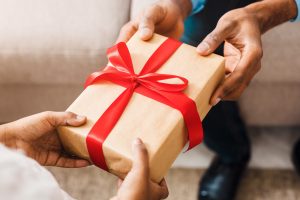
160 127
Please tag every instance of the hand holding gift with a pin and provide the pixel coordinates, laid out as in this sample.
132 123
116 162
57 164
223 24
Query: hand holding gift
36 135
137 184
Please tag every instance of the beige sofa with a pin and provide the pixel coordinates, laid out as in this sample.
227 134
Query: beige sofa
47 48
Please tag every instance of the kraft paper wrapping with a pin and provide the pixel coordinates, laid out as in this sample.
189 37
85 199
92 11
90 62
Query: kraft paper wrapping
158 125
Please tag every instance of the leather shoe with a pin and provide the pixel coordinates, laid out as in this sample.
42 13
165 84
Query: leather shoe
221 180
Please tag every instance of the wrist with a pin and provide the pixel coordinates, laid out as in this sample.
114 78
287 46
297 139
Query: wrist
270 13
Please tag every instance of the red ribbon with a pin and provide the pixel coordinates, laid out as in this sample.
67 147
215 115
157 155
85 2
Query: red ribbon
147 83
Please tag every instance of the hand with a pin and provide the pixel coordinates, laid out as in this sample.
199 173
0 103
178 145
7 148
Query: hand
165 17
241 32
36 135
137 184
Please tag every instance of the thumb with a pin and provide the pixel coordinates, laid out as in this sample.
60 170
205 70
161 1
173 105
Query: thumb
152 16
214 39
140 158
56 119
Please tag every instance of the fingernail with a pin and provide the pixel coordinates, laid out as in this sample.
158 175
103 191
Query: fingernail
144 32
137 141
203 47
80 117
216 101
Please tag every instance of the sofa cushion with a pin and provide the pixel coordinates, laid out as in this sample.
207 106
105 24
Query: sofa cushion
56 41
281 60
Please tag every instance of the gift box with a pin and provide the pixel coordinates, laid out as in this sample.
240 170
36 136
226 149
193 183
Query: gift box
158 91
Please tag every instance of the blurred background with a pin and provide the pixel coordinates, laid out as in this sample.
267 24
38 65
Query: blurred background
49 47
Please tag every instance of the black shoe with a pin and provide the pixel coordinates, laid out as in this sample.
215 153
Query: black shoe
296 156
221 180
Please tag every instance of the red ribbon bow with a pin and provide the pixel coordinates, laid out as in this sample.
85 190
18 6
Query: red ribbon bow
147 83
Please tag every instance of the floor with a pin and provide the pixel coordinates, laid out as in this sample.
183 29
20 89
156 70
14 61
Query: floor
270 176
93 184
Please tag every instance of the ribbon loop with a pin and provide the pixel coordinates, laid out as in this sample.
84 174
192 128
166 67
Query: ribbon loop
120 58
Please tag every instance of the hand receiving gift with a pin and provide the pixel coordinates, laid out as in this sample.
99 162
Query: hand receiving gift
36 135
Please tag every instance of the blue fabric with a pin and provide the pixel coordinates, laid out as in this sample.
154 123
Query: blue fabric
198 5
203 19
297 18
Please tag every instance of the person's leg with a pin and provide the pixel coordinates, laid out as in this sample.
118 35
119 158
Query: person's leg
225 132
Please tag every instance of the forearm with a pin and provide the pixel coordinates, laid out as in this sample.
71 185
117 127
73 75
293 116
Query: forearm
271 13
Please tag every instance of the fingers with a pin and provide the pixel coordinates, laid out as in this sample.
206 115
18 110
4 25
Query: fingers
127 31
140 163
215 38
72 163
152 16
159 191
164 191
63 119
53 158
233 86
144 24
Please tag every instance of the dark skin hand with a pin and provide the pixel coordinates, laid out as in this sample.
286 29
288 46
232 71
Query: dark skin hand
240 29
242 51
137 184
36 135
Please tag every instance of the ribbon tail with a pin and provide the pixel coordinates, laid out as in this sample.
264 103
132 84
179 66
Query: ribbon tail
189 111
186 106
103 127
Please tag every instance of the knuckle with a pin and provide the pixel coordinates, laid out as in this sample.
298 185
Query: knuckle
156 9
69 114
239 78
153 10
47 118
227 23
225 90
47 114
213 37
258 51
